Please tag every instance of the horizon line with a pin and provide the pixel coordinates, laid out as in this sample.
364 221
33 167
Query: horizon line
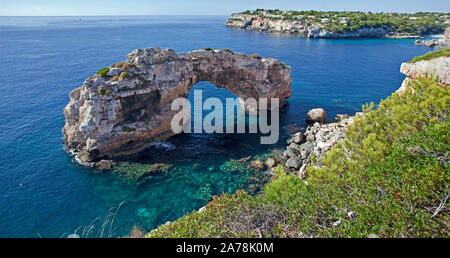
96 15
224 14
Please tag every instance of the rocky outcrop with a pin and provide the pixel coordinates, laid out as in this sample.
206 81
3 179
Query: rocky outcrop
438 68
308 149
438 44
256 23
308 29
316 115
128 105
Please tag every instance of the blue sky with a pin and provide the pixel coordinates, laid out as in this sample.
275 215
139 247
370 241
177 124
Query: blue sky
201 7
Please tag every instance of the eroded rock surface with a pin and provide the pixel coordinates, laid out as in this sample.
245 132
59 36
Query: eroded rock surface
317 140
128 107
438 68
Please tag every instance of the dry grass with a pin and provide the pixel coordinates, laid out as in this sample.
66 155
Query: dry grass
136 232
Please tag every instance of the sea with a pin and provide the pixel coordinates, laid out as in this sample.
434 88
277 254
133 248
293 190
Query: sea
44 193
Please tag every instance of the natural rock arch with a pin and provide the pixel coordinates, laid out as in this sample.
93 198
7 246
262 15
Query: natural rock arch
128 107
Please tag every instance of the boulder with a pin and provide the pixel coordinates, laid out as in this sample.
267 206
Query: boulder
317 115
293 163
270 162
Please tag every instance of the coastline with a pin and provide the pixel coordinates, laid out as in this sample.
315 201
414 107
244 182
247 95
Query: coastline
284 22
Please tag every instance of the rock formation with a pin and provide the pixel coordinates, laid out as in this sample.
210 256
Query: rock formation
308 149
438 67
127 106
316 115
438 44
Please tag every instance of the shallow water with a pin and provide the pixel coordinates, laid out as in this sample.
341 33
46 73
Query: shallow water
43 193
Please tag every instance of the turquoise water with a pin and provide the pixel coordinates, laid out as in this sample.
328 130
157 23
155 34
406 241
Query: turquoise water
43 193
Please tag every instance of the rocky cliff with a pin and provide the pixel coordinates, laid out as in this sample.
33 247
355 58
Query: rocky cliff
437 67
125 107
308 29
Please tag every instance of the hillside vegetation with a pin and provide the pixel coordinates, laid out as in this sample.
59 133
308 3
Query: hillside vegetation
420 23
388 178
431 55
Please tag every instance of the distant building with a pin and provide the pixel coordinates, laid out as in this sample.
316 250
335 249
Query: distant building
325 20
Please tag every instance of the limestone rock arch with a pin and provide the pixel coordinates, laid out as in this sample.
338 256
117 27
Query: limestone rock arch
128 107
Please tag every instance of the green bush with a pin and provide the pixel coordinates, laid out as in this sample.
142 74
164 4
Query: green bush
101 91
431 55
103 71
122 76
283 65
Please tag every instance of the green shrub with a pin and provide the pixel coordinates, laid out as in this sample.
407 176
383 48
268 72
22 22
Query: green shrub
279 171
431 55
283 65
122 76
103 71
128 129
284 188
101 91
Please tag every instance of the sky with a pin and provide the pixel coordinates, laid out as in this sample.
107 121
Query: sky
206 7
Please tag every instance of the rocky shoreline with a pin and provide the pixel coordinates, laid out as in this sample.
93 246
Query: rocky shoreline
307 149
310 30
438 44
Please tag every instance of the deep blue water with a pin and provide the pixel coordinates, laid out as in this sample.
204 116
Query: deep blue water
43 193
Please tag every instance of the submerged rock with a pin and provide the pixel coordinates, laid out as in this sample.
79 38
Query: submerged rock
127 106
